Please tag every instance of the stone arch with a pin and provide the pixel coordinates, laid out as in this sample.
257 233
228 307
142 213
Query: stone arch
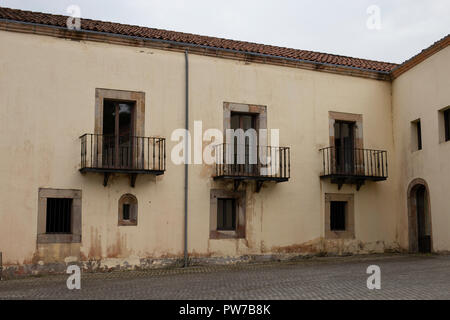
415 188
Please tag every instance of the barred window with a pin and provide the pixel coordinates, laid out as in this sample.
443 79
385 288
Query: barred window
59 215
337 215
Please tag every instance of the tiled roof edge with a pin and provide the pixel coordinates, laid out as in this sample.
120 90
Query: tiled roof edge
418 58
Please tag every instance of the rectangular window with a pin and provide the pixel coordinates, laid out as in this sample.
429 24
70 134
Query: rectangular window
126 212
447 124
419 136
337 215
59 215
226 214
416 135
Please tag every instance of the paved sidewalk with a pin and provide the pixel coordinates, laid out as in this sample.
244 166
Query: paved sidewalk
402 277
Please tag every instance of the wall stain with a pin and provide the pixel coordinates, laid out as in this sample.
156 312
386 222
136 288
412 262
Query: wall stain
118 249
95 251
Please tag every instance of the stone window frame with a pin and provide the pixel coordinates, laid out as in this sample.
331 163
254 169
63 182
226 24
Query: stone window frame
138 121
349 232
128 198
258 110
239 233
349 117
75 236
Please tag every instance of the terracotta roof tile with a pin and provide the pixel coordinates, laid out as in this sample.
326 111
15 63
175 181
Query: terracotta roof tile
151 33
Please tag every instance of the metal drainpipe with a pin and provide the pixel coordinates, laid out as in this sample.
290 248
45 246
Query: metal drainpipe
186 158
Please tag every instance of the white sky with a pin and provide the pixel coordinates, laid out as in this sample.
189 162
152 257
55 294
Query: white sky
332 26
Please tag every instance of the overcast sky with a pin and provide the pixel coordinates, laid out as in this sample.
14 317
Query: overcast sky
333 26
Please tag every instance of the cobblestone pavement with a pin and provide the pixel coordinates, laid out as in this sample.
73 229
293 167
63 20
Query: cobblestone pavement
402 277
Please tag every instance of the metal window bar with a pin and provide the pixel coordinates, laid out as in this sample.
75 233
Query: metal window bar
59 215
100 151
354 162
276 162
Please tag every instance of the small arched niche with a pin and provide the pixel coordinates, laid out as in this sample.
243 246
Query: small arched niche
128 210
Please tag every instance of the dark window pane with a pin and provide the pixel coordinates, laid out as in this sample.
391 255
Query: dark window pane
447 124
337 215
126 212
226 214
59 215
419 135
109 118
344 146
109 125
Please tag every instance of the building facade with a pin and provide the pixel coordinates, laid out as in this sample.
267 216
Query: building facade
90 132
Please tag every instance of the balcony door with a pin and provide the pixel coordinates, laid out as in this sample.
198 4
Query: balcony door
118 133
344 143
244 121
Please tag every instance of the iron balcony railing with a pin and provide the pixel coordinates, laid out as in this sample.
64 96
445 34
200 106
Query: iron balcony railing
354 162
257 162
122 153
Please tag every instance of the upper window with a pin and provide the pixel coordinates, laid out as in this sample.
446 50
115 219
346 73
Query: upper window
416 127
119 129
59 216
444 125
118 133
447 124
128 210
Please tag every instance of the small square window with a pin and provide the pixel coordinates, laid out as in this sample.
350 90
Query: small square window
226 214
59 216
337 215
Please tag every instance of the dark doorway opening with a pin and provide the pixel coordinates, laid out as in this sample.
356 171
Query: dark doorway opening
118 132
423 234
344 143
245 121
419 217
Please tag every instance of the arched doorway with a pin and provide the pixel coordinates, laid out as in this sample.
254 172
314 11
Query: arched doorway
419 217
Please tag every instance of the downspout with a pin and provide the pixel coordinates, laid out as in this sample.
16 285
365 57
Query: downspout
186 159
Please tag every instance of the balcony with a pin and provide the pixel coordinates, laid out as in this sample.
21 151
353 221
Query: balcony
258 163
124 154
353 166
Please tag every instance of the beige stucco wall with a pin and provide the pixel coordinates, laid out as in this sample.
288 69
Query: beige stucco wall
420 93
47 99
